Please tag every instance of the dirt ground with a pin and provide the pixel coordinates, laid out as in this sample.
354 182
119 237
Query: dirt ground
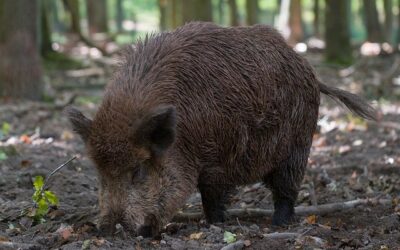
350 159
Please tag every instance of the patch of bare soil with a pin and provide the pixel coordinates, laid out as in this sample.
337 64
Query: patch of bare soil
350 160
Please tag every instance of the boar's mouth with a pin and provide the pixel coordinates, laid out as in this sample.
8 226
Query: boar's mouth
150 228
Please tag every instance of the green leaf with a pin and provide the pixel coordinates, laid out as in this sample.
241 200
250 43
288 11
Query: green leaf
86 244
38 182
51 197
5 128
42 208
3 156
37 196
229 237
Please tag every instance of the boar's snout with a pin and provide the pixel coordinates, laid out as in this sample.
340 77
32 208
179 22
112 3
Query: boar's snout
108 225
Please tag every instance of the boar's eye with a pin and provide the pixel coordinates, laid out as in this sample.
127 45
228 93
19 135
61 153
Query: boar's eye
139 174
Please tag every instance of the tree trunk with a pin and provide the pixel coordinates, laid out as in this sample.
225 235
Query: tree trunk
97 16
337 34
196 10
73 8
295 25
388 6
398 25
45 45
316 20
20 66
176 13
119 15
220 11
162 6
252 11
374 29
233 13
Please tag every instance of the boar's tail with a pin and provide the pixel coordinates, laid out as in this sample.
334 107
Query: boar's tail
356 104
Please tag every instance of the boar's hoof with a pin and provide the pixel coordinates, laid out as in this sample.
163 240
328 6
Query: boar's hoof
216 216
283 215
281 221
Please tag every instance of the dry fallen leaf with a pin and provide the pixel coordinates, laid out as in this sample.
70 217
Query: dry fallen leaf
196 236
25 139
67 135
65 231
247 243
3 239
312 219
99 242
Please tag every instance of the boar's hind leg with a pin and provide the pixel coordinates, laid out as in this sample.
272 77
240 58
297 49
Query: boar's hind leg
214 197
284 183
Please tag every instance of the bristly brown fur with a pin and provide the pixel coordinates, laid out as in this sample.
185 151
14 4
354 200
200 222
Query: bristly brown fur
243 107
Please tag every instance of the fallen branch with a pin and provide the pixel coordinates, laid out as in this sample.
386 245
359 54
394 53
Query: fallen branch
5 245
89 43
390 125
277 236
301 210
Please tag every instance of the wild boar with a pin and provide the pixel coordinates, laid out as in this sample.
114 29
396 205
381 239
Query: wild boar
203 107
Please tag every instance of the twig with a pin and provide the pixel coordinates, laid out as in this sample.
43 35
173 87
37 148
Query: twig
240 225
277 236
89 43
16 245
301 210
55 171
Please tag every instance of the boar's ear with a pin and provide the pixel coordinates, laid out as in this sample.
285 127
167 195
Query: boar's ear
156 132
80 123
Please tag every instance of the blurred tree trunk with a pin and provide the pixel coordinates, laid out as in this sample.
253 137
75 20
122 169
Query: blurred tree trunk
337 34
162 6
73 8
252 11
233 13
20 66
295 25
220 11
374 29
45 45
97 16
316 20
196 10
169 14
398 25
176 13
119 15
388 6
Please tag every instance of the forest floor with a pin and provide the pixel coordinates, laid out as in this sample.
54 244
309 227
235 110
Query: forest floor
350 159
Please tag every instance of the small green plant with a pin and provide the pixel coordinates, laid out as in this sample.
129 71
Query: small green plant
229 237
3 155
42 199
5 130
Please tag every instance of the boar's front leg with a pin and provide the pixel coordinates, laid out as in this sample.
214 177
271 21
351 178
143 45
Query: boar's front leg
214 196
284 183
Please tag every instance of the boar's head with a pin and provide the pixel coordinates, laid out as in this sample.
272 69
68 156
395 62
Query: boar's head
137 176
